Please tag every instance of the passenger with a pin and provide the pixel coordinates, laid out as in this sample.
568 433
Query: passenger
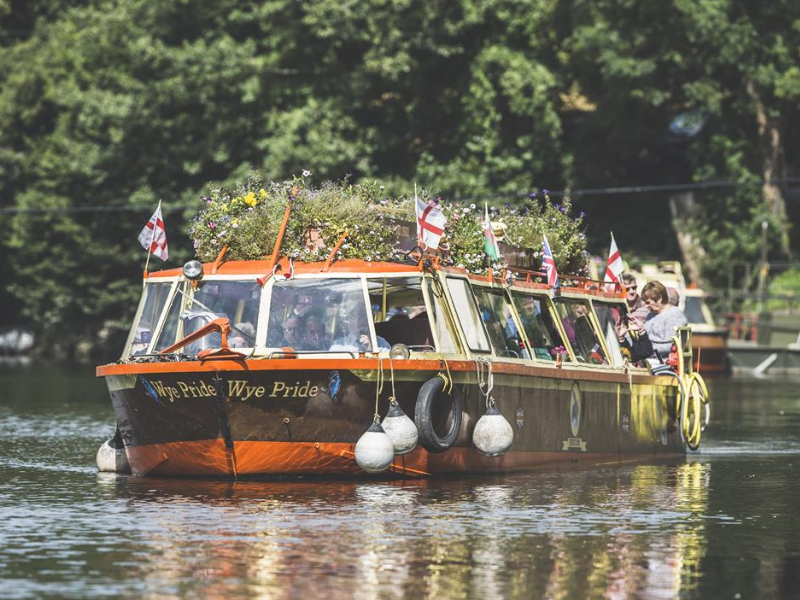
303 305
292 333
636 305
674 296
315 336
354 336
633 339
243 335
665 320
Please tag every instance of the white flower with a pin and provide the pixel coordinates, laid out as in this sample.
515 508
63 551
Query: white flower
306 173
472 207
369 259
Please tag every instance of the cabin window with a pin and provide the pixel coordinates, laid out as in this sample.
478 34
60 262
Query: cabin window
320 315
468 315
213 299
608 315
575 318
155 298
440 319
537 322
496 314
173 328
399 312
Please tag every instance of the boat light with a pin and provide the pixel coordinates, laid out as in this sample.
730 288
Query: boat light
400 351
193 270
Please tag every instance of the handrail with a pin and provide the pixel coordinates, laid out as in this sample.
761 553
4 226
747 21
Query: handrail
221 325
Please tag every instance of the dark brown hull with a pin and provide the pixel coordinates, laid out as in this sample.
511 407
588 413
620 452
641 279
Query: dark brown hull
282 417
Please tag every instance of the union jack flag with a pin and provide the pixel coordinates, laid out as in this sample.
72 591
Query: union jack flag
549 265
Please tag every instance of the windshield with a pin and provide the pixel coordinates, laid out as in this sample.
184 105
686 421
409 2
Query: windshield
155 297
320 315
193 308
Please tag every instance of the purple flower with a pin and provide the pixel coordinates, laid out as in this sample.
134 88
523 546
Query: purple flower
212 225
545 191
581 215
533 195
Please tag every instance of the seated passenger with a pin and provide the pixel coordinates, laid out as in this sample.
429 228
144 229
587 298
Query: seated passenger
354 336
243 335
315 336
633 339
292 333
636 305
665 320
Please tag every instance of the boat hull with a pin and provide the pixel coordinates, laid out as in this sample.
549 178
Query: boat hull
302 417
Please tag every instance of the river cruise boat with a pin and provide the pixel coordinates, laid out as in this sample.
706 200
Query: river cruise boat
274 367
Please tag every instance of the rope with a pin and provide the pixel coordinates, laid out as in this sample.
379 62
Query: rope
393 397
378 388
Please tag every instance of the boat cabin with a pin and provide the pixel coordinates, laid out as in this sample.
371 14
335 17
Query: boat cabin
360 307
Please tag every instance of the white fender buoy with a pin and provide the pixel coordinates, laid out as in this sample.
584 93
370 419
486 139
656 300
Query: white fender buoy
400 429
111 457
374 450
492 435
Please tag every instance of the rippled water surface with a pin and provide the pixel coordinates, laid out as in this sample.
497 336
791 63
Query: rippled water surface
725 523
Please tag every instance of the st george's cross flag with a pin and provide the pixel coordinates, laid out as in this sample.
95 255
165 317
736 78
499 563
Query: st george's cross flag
154 236
614 268
490 246
548 264
430 223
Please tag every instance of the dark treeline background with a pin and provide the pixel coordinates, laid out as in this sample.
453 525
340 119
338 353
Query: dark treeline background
107 103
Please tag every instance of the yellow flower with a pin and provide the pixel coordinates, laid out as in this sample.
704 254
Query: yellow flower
250 199
263 192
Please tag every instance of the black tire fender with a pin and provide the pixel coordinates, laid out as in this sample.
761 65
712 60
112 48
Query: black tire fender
423 416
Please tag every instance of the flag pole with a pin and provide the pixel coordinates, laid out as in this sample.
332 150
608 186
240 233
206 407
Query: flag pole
419 231
150 247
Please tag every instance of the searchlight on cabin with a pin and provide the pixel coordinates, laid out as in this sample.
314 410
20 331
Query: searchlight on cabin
193 270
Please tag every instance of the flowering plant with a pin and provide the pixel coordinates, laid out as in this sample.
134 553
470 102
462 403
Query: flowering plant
247 219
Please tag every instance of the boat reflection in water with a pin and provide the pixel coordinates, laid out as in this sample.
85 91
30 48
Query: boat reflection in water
636 531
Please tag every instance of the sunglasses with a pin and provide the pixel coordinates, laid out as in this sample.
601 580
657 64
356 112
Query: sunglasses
630 288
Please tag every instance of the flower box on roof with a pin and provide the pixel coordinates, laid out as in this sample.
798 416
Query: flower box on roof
247 217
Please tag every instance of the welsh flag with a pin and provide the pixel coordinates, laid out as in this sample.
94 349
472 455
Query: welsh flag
490 246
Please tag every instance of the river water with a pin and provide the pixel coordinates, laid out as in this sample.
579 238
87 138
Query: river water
724 523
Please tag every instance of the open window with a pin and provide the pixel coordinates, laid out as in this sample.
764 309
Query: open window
544 339
495 312
468 315
400 312
608 316
576 320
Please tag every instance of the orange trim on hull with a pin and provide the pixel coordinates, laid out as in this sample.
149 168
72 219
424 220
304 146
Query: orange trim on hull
572 373
208 458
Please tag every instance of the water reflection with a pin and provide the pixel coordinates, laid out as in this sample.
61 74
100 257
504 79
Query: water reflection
720 523
637 531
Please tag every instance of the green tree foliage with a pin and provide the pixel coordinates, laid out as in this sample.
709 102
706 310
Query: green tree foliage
120 104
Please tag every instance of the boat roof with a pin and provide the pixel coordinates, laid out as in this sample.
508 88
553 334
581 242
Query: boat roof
263 269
